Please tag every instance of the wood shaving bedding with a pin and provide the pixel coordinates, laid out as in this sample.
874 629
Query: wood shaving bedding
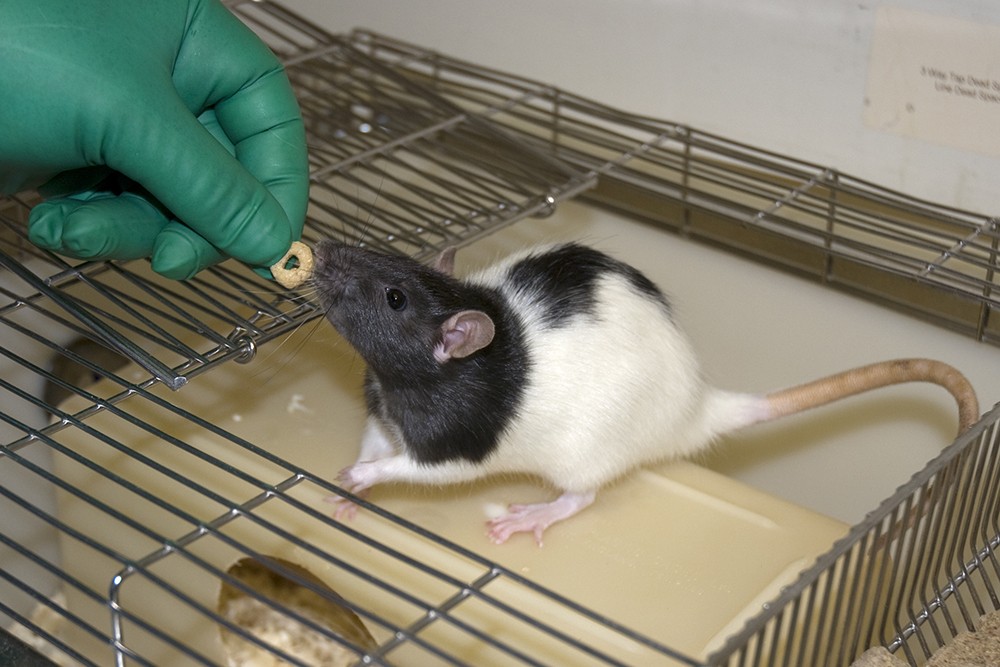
968 649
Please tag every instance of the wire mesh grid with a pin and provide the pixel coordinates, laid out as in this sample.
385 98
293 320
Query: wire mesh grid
918 571
412 151
185 498
929 260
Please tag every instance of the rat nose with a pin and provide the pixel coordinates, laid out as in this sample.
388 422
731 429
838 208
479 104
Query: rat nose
332 272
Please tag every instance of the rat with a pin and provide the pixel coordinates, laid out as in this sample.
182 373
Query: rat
559 361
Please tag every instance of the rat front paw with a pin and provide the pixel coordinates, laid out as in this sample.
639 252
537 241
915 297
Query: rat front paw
356 479
359 477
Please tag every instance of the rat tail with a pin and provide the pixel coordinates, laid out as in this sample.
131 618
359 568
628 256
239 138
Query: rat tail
881 374
726 411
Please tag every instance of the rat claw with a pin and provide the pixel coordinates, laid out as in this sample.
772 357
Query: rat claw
498 535
346 510
361 476
348 479
518 519
342 507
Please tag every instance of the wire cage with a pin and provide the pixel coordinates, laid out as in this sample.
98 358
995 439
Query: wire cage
128 501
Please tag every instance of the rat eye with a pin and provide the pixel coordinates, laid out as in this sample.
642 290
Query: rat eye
395 298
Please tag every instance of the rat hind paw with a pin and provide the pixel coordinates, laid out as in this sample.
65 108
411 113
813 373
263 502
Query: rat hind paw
537 517
518 519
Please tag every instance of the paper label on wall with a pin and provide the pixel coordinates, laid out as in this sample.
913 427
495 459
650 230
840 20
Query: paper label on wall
935 78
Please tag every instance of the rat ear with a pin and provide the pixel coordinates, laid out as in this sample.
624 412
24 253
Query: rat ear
445 262
463 333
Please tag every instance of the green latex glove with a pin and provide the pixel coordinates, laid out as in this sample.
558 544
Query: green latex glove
154 128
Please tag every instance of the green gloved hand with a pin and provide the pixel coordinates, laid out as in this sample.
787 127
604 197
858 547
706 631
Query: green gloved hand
155 128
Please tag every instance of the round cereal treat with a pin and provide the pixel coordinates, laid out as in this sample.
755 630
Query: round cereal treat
295 267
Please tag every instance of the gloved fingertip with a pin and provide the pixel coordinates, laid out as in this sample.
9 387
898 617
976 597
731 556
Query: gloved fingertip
97 227
45 226
86 242
264 272
179 255
59 226
264 241
174 260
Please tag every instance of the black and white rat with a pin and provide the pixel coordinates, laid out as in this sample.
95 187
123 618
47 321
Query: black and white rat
559 361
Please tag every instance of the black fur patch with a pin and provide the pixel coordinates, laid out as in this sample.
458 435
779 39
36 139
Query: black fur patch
564 280
462 409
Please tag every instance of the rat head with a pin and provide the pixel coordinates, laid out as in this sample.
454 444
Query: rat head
400 315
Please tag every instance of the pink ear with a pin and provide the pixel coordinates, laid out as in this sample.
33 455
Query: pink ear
464 333
445 262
